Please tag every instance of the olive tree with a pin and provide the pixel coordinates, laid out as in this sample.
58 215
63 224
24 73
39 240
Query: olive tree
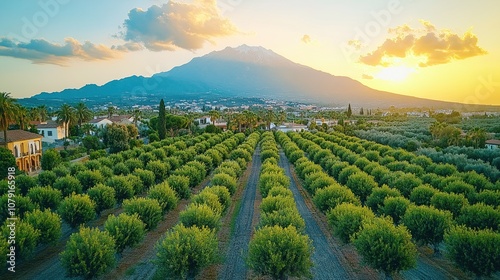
126 230
346 219
149 210
77 209
280 252
47 223
103 196
88 253
165 195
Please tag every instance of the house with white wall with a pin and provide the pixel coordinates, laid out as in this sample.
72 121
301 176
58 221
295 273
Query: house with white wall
492 144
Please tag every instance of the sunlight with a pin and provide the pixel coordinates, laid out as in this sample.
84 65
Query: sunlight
396 74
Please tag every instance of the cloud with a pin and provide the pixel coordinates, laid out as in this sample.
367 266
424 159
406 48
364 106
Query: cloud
430 45
306 39
44 52
367 77
177 25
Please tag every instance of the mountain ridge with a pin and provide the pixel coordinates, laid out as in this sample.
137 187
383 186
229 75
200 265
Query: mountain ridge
247 71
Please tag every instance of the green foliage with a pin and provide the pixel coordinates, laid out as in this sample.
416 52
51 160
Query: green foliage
120 169
346 219
427 224
276 203
361 184
449 201
272 179
27 238
24 183
47 223
477 251
122 186
88 253
283 218
224 180
185 251
385 247
159 168
280 252
147 177
126 230
395 207
480 216
279 190
46 178
346 173
180 184
50 159
460 187
376 199
209 199
165 195
103 196
89 179
334 195
7 160
133 164
422 195
489 197
68 185
149 210
77 209
116 137
23 205
200 215
45 197
240 153
222 193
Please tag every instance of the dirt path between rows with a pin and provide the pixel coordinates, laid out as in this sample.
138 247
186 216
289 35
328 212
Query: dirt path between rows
234 266
328 263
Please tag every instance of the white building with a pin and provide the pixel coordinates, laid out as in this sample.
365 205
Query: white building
493 144
50 130
100 122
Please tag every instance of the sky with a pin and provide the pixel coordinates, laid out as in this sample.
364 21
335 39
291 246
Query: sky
441 49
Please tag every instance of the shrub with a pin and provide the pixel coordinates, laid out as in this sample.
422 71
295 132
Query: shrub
46 178
24 183
427 224
47 223
279 190
78 167
477 251
346 219
422 195
50 159
223 195
240 153
209 199
449 201
480 216
200 215
280 252
77 209
405 183
126 230
89 179
275 203
88 253
122 186
23 205
147 177
332 196
165 195
180 184
395 207
26 238
226 181
376 199
120 169
133 164
460 187
489 197
68 185
361 185
283 218
385 247
232 165
45 197
185 251
103 197
158 168
149 210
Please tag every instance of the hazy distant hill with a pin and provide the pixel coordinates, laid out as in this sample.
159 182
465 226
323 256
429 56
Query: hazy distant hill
245 72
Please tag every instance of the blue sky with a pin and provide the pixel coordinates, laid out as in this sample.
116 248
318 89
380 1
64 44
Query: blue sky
50 45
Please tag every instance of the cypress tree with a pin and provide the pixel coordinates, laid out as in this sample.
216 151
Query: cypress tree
162 129
349 111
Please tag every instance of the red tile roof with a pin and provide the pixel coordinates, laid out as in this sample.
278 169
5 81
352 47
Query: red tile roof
19 135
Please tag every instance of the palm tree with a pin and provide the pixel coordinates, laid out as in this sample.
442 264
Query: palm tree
477 136
87 128
66 115
214 115
43 113
250 119
22 117
82 114
111 110
268 118
281 117
136 114
8 108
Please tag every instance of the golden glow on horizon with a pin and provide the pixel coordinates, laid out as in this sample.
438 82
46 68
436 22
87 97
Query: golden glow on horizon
395 74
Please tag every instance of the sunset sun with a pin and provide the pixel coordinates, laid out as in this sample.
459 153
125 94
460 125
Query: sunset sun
395 74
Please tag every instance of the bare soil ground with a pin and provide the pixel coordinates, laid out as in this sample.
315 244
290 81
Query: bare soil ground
234 266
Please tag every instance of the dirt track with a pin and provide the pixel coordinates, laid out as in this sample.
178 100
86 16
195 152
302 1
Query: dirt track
327 263
234 266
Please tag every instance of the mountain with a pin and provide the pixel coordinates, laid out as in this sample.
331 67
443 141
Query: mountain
242 72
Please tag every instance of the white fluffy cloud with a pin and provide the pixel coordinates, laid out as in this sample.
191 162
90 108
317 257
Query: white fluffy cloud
177 25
